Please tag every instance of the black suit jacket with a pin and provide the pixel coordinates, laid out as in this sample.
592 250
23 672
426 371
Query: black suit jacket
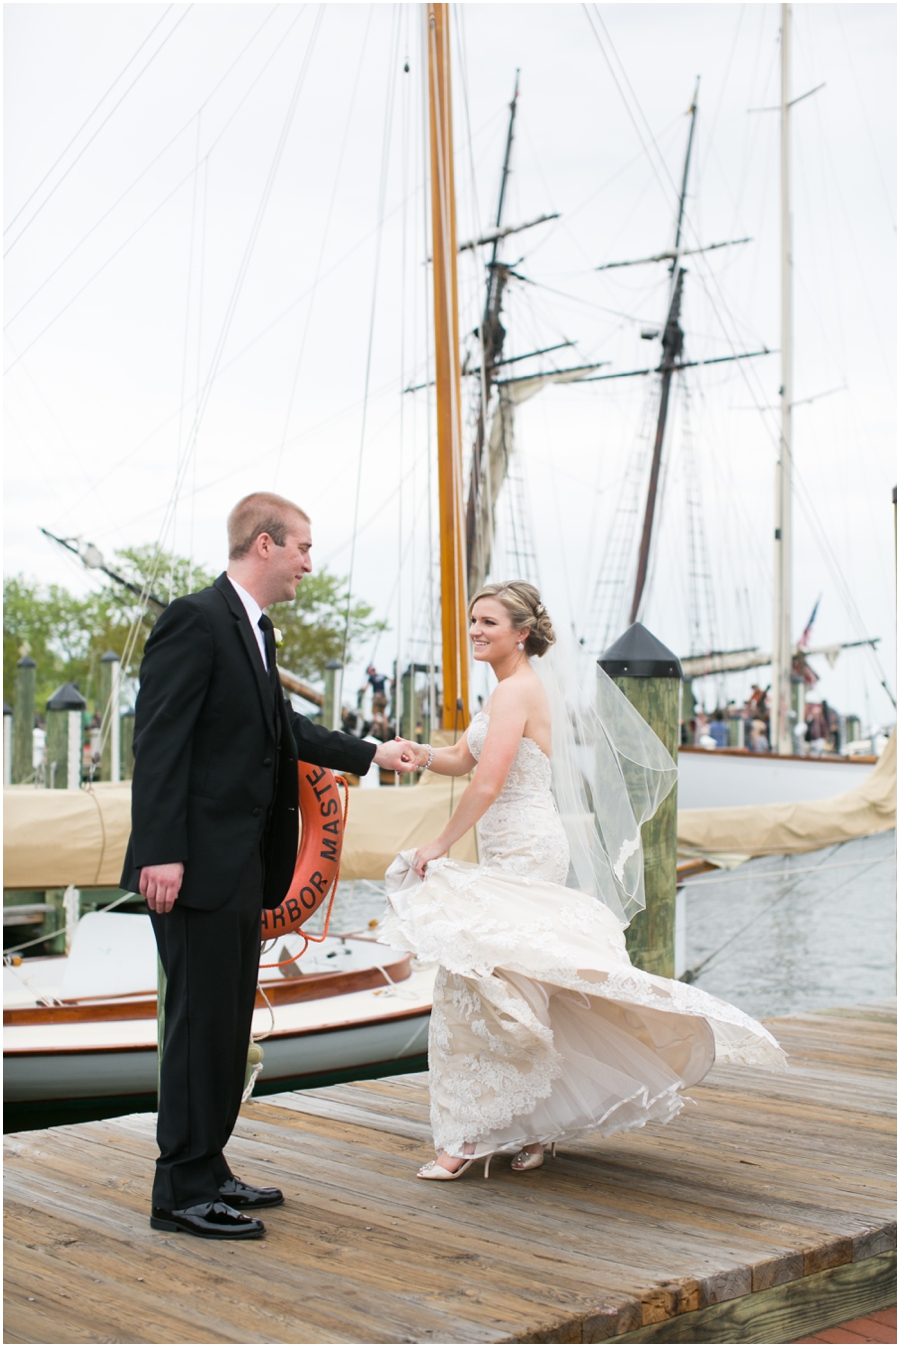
215 754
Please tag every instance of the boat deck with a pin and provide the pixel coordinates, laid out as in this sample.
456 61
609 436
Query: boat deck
765 1214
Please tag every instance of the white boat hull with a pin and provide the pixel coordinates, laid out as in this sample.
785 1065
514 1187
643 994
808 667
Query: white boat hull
356 1032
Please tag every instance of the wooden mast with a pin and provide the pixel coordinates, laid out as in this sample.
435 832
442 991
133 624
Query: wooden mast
454 621
673 345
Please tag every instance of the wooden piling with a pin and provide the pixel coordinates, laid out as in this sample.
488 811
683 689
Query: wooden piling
127 738
650 677
64 721
7 743
110 750
331 708
23 720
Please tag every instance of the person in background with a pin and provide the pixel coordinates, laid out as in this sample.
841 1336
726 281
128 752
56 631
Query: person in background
718 730
377 682
379 727
759 742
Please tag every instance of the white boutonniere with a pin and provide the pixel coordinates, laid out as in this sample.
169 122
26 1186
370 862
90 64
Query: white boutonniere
279 638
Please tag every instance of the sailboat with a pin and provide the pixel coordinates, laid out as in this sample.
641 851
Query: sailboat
380 1015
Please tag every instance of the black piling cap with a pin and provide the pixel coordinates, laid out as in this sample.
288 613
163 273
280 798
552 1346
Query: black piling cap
7 709
66 698
334 664
638 654
110 658
26 662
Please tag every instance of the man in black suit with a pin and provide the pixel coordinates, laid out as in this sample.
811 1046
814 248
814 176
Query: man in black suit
214 840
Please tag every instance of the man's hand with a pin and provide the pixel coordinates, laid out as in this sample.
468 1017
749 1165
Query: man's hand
161 884
419 752
396 756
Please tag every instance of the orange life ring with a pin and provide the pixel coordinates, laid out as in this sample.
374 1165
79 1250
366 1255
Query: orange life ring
318 865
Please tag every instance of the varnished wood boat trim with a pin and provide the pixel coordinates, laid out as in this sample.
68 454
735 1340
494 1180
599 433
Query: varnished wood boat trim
688 869
415 1013
290 991
862 758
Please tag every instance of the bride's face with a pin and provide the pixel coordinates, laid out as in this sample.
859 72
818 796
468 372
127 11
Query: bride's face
493 636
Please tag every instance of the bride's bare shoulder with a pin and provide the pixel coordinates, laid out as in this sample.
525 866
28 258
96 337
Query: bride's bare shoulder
522 692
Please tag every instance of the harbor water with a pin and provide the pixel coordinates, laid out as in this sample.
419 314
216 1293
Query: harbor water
778 935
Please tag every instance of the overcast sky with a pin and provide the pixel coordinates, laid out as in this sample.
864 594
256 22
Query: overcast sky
215 233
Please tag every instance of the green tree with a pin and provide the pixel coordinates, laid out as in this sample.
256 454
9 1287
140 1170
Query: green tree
67 634
312 626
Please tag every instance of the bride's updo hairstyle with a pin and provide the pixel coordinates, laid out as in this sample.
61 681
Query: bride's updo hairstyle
523 603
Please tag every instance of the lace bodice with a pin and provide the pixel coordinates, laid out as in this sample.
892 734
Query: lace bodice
521 831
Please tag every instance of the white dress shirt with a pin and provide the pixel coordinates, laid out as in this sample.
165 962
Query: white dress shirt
254 612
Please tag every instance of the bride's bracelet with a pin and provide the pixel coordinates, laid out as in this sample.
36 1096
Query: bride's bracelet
430 757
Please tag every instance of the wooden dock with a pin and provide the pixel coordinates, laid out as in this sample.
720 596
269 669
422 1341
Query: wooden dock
765 1214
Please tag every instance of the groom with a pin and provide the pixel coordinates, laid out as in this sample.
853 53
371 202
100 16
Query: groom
214 840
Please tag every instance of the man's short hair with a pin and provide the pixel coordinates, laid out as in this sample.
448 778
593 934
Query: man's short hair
261 512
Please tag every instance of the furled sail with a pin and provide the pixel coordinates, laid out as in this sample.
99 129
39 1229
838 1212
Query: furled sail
500 448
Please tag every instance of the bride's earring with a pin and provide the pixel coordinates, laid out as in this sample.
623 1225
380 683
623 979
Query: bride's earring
520 646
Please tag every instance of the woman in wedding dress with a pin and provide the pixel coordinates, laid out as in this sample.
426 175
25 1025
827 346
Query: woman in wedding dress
541 1028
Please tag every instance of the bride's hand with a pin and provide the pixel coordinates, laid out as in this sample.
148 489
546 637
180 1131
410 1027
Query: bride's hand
423 855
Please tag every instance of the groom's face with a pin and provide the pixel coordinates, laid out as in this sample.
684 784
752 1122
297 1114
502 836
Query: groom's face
290 563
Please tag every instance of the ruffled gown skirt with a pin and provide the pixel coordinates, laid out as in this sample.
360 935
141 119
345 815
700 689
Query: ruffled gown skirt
541 1028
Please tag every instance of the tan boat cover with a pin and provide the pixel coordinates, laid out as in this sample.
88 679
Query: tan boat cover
53 838
778 829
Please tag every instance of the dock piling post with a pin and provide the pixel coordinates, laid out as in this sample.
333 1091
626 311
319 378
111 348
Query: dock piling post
23 720
650 677
64 720
110 678
7 743
331 707
127 737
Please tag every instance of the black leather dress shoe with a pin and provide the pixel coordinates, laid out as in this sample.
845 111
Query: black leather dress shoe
244 1195
209 1220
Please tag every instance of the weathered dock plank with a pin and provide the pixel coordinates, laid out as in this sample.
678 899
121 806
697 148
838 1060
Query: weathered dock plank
768 1209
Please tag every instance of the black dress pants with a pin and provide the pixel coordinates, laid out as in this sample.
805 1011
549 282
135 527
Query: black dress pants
211 961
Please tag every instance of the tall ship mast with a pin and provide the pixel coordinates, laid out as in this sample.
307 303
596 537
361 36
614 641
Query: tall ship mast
455 660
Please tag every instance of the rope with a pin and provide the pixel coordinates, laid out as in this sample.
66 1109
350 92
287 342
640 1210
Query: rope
781 874
326 234
155 160
84 147
27 944
382 193
690 974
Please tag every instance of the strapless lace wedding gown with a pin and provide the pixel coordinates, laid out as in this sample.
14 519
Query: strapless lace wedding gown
541 1028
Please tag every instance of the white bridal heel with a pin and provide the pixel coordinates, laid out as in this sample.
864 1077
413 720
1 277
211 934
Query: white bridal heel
531 1159
435 1171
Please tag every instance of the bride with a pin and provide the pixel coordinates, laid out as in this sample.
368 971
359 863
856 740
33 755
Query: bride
541 1028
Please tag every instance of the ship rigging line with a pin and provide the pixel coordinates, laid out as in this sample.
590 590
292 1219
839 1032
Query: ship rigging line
733 878
84 147
190 447
324 244
184 359
155 160
94 110
393 53
809 511
155 210
690 974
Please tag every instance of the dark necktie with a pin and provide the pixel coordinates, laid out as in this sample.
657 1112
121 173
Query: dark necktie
266 627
